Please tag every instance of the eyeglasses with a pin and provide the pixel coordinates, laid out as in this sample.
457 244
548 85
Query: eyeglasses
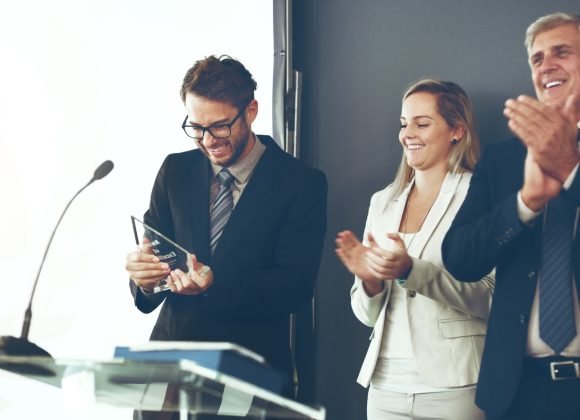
219 131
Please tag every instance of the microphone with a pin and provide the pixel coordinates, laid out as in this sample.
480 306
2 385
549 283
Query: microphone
12 346
102 171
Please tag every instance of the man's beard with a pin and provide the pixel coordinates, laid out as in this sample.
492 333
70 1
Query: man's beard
237 146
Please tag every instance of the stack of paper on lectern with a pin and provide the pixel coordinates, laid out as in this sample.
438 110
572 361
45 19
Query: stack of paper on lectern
226 358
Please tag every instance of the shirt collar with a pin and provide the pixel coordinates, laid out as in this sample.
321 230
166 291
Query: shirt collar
243 168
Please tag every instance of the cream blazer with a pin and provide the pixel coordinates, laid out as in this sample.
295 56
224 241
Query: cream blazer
447 318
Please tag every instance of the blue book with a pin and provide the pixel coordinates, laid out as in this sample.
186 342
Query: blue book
226 358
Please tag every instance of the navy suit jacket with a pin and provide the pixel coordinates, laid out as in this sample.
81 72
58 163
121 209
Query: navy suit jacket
265 263
488 233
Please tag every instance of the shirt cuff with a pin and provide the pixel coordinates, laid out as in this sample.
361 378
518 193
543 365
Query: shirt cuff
147 292
568 183
526 214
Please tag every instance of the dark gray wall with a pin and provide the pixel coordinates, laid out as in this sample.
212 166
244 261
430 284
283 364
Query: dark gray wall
357 58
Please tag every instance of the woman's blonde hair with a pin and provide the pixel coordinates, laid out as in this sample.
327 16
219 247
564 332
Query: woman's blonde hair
454 106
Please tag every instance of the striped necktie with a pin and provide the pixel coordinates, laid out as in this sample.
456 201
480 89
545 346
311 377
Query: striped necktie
557 325
222 207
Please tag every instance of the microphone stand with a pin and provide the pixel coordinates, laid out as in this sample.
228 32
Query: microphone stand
20 346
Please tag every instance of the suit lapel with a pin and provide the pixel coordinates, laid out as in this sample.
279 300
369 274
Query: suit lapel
195 204
257 193
392 223
394 220
576 253
436 213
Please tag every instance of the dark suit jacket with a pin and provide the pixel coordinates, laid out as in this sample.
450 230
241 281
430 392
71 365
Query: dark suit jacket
488 233
265 263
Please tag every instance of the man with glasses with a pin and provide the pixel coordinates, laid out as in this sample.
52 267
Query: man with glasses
247 210
521 216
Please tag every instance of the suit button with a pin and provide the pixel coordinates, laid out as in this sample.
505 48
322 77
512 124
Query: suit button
522 319
531 274
412 293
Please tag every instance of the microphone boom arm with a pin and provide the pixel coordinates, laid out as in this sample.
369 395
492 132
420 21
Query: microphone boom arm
28 313
21 346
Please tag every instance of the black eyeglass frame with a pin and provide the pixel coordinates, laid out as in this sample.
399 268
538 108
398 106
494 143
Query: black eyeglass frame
209 128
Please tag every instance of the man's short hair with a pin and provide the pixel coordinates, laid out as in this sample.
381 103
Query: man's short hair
551 21
220 79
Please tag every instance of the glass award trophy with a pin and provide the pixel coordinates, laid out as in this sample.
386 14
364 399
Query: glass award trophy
151 241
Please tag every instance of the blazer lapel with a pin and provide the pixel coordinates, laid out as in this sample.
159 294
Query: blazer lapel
257 193
194 223
392 211
450 184
394 220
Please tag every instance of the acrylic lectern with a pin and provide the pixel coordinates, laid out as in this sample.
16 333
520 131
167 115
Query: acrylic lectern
182 386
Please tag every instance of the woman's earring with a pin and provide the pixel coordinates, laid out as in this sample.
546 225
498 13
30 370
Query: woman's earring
454 142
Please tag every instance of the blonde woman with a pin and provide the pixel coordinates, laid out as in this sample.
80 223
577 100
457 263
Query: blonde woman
428 328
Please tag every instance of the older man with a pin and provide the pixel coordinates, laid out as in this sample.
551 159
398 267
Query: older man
521 216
